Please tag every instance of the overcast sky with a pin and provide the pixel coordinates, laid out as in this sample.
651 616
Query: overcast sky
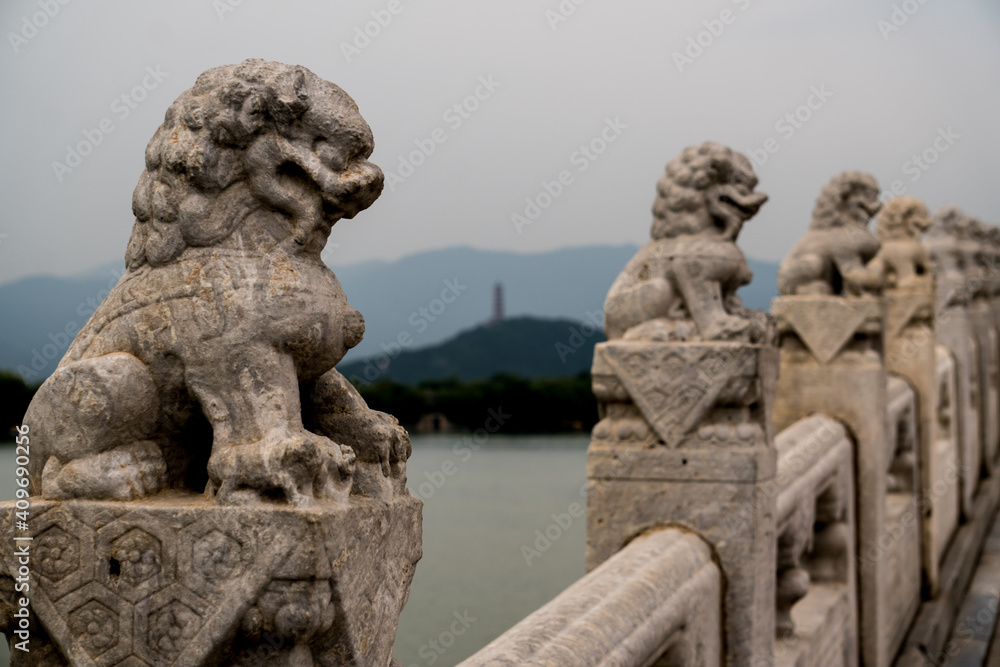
886 81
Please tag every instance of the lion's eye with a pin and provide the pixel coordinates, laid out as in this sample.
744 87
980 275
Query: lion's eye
332 156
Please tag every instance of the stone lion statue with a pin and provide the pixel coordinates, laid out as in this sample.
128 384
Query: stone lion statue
211 363
833 256
948 241
903 261
682 284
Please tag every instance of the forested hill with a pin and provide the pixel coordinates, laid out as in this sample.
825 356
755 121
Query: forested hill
528 347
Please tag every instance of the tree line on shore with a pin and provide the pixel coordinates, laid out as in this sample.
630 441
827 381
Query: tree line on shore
550 405
15 395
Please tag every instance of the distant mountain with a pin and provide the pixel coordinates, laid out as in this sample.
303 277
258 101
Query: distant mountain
40 316
421 299
525 346
409 297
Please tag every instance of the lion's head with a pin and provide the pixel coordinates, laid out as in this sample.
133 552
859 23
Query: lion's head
255 136
849 199
705 186
903 218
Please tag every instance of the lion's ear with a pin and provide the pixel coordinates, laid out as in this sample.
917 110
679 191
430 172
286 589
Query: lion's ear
288 100
299 84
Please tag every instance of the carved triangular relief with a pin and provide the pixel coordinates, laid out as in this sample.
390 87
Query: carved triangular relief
902 309
825 324
675 386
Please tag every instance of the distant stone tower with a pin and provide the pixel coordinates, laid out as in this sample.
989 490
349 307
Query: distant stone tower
497 304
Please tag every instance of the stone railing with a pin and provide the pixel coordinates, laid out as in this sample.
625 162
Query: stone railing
943 467
816 606
657 601
850 537
214 492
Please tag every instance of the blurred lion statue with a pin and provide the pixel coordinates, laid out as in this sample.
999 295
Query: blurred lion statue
682 284
903 260
833 256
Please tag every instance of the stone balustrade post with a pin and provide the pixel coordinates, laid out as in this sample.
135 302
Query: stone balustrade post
975 248
205 488
832 336
911 352
955 329
685 386
832 362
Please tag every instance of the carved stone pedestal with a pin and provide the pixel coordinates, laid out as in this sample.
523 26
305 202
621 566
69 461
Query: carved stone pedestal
955 332
985 331
685 440
832 362
911 352
177 580
957 285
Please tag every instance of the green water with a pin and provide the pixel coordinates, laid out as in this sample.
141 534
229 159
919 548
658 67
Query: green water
474 528
479 511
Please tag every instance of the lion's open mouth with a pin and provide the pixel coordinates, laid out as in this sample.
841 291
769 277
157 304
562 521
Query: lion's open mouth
748 206
732 202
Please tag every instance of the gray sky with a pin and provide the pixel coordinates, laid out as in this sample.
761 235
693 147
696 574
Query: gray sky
884 85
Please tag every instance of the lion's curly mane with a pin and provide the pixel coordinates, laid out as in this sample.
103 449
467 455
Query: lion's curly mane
893 219
682 187
830 210
197 154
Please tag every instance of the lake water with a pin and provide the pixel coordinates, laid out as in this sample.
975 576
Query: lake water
475 577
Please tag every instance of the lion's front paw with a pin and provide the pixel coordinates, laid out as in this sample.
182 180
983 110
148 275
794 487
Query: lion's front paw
862 281
388 442
295 468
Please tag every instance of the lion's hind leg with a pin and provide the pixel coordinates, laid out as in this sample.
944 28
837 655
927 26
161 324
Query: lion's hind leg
90 423
807 273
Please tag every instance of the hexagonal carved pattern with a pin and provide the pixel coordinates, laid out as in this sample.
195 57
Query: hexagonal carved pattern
58 553
171 628
139 556
95 627
155 584
217 556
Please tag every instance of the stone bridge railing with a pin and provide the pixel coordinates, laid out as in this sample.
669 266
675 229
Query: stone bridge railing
657 601
815 586
850 536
